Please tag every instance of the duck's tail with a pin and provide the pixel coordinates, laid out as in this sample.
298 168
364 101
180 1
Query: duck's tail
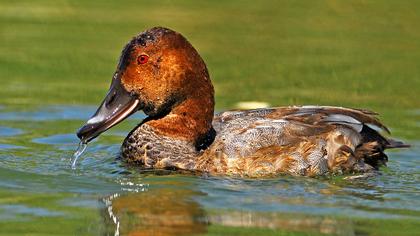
373 145
396 144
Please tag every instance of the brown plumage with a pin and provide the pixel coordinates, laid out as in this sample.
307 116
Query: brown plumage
307 140
172 86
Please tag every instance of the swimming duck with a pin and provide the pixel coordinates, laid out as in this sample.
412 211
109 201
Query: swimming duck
161 73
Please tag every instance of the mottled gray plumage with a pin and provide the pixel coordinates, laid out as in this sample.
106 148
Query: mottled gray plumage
296 140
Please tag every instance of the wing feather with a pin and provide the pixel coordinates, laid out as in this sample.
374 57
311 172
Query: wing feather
354 118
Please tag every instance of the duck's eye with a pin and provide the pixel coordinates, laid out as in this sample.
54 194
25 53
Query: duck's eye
142 59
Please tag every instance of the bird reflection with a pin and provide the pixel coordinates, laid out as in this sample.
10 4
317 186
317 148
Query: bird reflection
169 207
160 212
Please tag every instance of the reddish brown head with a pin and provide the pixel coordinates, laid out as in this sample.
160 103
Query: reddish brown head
162 74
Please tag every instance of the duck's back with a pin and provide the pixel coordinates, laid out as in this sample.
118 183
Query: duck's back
308 140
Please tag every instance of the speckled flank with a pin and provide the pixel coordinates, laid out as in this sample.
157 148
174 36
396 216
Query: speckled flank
265 142
288 140
174 89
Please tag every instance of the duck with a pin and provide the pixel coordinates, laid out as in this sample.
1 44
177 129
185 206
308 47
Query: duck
160 73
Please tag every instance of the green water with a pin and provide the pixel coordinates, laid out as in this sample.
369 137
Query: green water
41 195
56 61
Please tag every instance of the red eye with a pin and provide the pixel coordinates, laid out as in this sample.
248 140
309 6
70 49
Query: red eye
142 59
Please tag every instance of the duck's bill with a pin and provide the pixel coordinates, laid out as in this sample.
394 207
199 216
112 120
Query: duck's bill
117 105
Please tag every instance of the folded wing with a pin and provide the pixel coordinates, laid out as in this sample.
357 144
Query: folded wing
305 140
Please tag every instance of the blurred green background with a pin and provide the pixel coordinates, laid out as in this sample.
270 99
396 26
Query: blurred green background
346 53
359 53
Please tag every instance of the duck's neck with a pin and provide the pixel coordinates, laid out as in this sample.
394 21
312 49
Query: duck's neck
190 120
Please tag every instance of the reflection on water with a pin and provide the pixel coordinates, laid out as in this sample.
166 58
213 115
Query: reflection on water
6 131
41 194
173 211
160 212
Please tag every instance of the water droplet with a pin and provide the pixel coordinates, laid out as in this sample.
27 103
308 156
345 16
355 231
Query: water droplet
82 147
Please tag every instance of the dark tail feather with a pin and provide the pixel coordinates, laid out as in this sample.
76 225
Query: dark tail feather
396 144
371 150
371 135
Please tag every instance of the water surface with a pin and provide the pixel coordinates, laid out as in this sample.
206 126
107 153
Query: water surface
40 194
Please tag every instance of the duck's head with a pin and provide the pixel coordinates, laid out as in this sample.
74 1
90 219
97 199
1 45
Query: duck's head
160 73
